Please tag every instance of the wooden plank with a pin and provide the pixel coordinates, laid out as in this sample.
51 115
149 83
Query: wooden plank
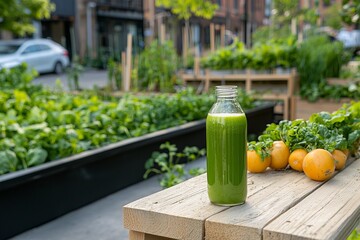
331 212
270 77
133 235
178 212
190 79
238 77
269 195
271 96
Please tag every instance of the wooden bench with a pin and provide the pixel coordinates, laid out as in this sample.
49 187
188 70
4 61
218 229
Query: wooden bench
280 205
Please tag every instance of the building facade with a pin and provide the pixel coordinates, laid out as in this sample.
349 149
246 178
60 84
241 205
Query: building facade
96 28
103 25
232 18
93 28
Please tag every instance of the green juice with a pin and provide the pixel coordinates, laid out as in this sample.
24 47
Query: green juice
226 158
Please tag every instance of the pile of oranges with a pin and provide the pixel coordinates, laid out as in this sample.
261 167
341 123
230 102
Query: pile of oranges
318 164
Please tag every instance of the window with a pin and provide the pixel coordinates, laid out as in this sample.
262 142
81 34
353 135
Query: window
219 2
236 4
8 48
43 47
31 49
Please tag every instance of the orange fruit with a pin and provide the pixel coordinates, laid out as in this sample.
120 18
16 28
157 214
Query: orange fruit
255 164
340 159
279 155
319 165
296 159
346 152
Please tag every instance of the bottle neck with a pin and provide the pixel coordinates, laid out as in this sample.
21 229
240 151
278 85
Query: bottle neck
224 93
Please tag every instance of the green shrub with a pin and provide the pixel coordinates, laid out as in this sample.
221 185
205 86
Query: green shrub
18 78
157 67
263 56
318 58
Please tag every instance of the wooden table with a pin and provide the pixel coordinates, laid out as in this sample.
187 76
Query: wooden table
280 205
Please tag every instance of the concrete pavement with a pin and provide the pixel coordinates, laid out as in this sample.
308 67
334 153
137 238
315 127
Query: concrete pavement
99 220
88 79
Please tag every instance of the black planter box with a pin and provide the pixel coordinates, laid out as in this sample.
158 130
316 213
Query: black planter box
37 195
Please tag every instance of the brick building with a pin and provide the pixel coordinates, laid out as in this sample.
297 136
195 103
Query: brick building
233 17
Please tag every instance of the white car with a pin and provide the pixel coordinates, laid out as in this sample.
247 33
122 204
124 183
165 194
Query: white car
41 54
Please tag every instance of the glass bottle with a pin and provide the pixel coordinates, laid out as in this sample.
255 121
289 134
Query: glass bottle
226 137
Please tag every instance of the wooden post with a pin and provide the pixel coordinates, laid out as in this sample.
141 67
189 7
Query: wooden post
293 26
123 69
197 66
162 33
128 63
222 35
212 37
207 80
151 19
185 44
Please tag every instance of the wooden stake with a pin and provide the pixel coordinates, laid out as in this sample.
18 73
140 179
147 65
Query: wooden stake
222 35
197 66
185 44
162 33
123 69
128 63
212 37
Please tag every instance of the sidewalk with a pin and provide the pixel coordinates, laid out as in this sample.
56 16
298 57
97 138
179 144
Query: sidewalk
88 79
99 220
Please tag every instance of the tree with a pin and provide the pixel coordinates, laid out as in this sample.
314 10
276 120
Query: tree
284 11
16 16
332 17
350 12
184 9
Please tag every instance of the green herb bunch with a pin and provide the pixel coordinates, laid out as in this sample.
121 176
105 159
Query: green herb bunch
338 130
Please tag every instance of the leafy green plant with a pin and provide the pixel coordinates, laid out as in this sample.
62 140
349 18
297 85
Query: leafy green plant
190 60
114 74
264 33
350 12
263 56
314 66
18 78
157 67
355 235
169 164
329 131
332 17
74 72
110 73
37 125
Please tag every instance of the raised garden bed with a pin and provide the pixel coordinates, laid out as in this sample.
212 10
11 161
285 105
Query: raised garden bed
37 195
